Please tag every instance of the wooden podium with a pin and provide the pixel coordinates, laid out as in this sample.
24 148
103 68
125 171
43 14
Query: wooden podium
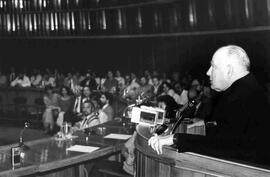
174 164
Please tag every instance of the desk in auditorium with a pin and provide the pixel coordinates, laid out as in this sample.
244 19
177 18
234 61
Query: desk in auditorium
48 157
173 164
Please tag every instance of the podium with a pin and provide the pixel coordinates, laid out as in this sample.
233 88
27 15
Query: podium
174 164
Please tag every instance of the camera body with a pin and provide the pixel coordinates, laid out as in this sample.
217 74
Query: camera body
147 115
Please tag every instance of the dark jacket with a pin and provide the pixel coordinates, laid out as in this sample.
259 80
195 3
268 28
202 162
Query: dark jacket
242 118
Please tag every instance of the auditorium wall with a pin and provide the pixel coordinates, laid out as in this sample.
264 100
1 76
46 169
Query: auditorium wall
190 53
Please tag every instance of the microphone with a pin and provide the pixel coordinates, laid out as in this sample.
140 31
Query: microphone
180 114
162 128
21 143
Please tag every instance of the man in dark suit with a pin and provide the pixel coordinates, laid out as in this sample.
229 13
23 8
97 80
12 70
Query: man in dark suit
241 114
89 81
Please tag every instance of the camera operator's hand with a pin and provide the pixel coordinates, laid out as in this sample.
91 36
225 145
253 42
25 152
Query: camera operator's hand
157 142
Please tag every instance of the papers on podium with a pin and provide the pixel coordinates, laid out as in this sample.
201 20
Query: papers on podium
118 136
81 148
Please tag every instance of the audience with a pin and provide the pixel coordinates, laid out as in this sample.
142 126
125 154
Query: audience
88 87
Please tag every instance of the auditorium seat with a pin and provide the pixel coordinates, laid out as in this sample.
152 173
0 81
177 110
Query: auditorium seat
112 169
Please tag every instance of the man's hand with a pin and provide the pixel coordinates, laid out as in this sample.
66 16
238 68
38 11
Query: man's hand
157 142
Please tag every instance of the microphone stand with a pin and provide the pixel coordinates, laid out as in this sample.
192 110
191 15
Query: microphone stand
21 143
180 119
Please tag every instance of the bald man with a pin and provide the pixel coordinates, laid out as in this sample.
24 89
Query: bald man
241 114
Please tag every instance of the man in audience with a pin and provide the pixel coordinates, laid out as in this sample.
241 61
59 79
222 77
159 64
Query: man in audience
90 117
156 85
106 100
145 90
89 81
241 114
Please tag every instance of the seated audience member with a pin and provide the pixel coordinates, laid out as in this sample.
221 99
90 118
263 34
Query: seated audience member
66 102
168 90
127 79
119 78
241 124
89 119
148 77
180 90
98 82
89 81
52 108
110 84
76 114
77 108
48 80
134 84
156 85
145 90
103 117
21 81
86 94
68 79
75 80
60 79
3 80
130 93
95 98
106 100
36 79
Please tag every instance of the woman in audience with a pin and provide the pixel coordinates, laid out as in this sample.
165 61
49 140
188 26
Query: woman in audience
66 102
95 99
52 107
